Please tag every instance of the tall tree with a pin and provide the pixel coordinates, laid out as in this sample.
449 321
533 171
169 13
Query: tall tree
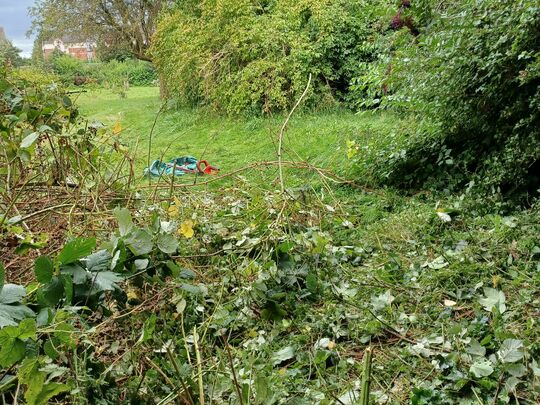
118 24
8 52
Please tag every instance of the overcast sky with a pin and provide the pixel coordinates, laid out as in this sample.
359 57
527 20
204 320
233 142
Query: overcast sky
15 20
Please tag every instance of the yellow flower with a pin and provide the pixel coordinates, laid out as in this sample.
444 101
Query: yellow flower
186 229
174 210
117 128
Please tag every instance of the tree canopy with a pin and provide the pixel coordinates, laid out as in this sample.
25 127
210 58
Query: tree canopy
116 24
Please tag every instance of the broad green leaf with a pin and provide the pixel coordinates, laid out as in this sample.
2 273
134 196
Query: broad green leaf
284 354
481 368
511 351
167 243
67 282
53 292
98 261
534 367
77 273
516 369
27 329
12 346
11 293
476 349
44 269
140 242
38 390
193 289
76 250
11 349
493 299
106 280
48 391
29 140
125 222
141 264
10 314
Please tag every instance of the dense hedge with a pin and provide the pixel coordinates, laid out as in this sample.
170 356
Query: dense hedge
250 56
472 77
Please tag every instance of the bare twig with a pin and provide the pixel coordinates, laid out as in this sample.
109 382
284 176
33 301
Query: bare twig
235 380
282 131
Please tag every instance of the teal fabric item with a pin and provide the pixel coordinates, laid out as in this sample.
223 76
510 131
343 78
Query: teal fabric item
178 167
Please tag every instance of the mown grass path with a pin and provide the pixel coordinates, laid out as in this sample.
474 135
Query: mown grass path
229 143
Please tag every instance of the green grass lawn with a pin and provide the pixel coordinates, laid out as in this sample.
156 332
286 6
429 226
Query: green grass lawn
228 143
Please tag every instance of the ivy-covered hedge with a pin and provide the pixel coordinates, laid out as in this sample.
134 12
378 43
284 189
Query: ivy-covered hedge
472 77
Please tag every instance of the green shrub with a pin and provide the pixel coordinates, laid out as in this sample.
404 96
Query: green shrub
473 78
65 66
136 73
255 57
112 73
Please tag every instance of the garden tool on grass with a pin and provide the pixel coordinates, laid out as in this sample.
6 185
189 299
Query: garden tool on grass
179 166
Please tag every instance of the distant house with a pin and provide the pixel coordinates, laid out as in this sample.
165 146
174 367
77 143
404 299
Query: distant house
82 50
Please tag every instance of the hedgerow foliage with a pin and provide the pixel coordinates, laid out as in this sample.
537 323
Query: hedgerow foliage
113 72
473 77
255 56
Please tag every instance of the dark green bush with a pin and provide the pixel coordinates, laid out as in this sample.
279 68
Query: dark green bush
473 79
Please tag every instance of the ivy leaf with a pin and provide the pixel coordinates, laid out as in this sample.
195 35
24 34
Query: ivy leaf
76 250
167 243
43 268
284 354
125 222
481 368
493 299
382 301
511 351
